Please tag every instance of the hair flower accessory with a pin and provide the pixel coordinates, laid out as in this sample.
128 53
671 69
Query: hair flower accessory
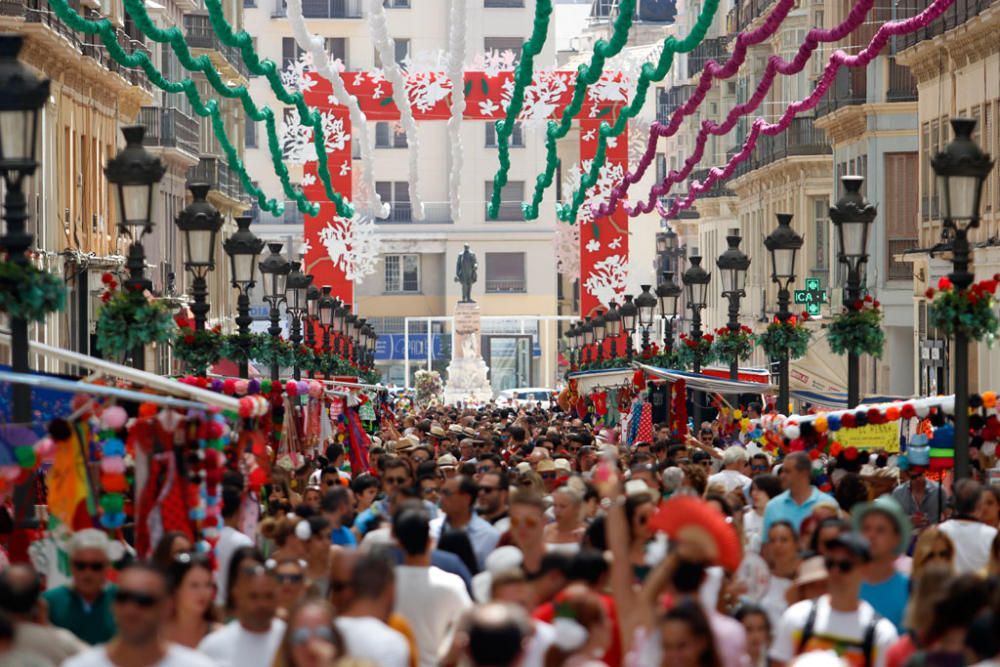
570 635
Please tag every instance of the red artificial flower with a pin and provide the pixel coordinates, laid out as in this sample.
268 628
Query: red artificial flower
189 339
792 320
851 453
876 304
805 316
929 293
107 278
868 298
709 337
944 283
106 297
858 305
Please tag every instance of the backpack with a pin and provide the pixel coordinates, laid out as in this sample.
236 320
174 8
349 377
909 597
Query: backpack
868 642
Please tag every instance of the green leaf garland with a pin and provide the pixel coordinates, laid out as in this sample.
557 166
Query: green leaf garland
780 336
199 350
689 350
29 293
857 330
730 345
125 323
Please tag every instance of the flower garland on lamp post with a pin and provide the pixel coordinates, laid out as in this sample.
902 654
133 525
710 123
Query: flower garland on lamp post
961 168
783 244
857 330
696 280
243 248
734 264
853 216
274 270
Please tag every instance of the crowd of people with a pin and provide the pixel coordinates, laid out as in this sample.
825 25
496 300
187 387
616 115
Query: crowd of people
495 537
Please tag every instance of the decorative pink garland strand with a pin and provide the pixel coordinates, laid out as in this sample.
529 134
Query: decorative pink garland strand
837 60
713 70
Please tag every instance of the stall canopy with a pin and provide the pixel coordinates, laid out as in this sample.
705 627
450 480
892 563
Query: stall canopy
839 399
710 384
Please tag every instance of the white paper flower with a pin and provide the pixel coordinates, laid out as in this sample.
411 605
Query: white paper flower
488 108
593 245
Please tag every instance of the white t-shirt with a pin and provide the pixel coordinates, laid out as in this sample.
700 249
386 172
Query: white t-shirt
234 646
230 540
730 479
972 543
843 632
753 528
177 656
422 589
368 637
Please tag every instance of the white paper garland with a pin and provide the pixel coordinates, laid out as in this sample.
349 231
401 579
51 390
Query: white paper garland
456 72
386 52
315 45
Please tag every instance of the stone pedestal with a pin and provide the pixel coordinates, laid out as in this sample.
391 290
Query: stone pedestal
467 373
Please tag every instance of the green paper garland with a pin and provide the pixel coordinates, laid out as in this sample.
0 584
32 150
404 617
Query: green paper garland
268 350
268 69
523 75
568 212
124 323
857 331
199 350
688 350
972 311
730 345
28 293
780 336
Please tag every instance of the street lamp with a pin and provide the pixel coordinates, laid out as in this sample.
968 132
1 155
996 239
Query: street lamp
613 326
350 327
696 280
961 170
600 328
570 335
22 96
629 315
853 217
645 304
588 338
312 314
339 327
668 292
326 307
200 222
134 172
274 271
733 264
783 243
243 249
297 297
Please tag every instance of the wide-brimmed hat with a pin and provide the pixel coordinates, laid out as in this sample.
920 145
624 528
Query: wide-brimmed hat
563 465
438 432
455 428
469 432
447 461
890 508
546 465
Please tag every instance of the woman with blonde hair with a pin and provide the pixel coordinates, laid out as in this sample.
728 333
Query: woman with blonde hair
565 533
932 547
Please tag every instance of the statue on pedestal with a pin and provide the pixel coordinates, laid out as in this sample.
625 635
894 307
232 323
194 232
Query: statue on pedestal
465 273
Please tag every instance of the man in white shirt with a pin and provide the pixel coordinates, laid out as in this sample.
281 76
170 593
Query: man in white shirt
734 464
840 620
972 539
230 539
141 605
421 587
252 640
363 622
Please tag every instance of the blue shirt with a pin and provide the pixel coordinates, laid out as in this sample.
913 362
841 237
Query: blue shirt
783 508
343 537
482 535
888 597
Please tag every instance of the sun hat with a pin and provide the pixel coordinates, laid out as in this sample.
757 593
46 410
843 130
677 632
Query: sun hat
447 461
455 428
546 465
890 508
438 432
563 465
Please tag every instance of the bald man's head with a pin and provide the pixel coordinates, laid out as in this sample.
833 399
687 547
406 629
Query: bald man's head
20 588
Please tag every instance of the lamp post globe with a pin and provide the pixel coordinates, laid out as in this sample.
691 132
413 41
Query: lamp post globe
733 264
243 249
326 307
668 293
588 338
645 305
783 244
613 326
274 271
200 223
312 314
961 169
629 315
600 330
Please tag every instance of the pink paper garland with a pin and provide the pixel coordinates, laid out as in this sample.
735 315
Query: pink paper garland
837 60
713 70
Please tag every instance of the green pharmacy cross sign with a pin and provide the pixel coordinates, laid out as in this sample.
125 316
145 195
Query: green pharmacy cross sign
812 297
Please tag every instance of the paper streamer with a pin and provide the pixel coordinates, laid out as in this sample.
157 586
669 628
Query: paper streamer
208 109
269 70
775 65
315 46
387 54
523 74
567 212
456 72
837 60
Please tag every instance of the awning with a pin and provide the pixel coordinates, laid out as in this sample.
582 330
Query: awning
587 381
708 383
838 400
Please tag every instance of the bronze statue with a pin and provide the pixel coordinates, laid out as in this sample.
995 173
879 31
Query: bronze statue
465 273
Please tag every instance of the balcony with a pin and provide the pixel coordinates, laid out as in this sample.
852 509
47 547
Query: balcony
200 35
505 286
670 100
850 87
710 49
958 13
899 270
717 189
801 138
331 9
216 172
902 85
747 10
402 212
169 128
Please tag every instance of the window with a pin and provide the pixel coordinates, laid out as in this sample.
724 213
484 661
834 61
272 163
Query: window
505 272
249 4
901 212
290 52
491 4
250 133
661 167
331 9
821 234
337 48
397 195
516 137
402 273
396 4
511 197
402 50
501 44
389 135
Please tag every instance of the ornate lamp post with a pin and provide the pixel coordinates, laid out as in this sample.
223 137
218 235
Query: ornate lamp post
200 222
613 326
668 292
629 314
274 271
339 326
22 96
733 264
327 306
600 328
588 339
135 173
350 329
696 280
645 303
783 243
853 217
297 296
570 334
361 341
961 170
312 314
243 249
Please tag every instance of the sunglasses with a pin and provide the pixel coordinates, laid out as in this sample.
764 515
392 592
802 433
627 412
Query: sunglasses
484 469
93 566
946 555
395 480
332 482
488 489
548 475
289 578
528 523
428 491
140 599
844 566
759 467
302 635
